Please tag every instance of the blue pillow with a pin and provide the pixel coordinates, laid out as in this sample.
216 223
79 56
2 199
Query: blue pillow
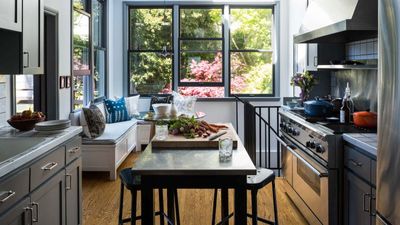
116 110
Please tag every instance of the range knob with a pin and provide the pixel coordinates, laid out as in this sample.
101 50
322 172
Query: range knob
308 144
290 130
312 144
295 132
282 125
320 149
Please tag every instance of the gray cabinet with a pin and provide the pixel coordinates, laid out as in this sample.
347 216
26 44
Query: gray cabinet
73 188
48 201
20 214
11 15
33 37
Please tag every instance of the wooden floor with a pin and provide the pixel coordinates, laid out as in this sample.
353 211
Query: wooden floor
101 202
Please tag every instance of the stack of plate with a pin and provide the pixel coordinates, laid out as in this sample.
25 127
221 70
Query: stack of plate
53 126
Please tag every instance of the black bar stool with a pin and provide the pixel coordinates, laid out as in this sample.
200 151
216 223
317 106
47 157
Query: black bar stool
133 184
254 183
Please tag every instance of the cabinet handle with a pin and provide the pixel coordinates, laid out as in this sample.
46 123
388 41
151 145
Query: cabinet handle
27 60
366 209
373 198
74 150
69 176
30 209
355 163
10 194
35 204
315 60
50 166
16 12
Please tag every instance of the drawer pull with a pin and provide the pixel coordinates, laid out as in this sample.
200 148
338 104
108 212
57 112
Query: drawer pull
30 209
366 209
355 163
74 150
35 204
68 187
10 194
50 166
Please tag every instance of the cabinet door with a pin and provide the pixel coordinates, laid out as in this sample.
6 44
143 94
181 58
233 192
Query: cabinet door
18 215
73 186
48 202
33 24
373 207
11 15
356 200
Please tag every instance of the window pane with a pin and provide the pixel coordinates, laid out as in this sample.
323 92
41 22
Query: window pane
5 99
98 23
24 92
201 45
201 23
81 55
202 92
150 29
80 4
251 29
201 67
251 73
150 73
80 91
99 73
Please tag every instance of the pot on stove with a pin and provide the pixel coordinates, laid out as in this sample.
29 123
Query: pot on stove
318 108
365 119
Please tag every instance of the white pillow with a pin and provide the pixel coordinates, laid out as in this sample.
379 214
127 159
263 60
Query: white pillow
132 105
184 104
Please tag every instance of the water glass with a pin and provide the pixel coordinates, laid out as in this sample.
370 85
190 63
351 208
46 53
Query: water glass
225 149
161 132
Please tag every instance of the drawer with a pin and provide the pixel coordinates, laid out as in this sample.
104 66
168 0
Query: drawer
13 189
373 172
73 149
47 166
357 162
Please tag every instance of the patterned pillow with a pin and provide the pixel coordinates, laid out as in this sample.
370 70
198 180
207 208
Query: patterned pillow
116 110
158 100
92 121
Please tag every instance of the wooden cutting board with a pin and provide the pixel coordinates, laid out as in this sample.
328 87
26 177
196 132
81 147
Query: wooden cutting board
180 142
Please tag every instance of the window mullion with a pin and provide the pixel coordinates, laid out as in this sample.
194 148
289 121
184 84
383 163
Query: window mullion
226 54
175 30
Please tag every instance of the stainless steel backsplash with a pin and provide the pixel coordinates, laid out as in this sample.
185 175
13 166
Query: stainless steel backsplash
363 85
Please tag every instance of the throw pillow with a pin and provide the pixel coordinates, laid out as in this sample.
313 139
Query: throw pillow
92 122
116 110
132 105
184 104
159 100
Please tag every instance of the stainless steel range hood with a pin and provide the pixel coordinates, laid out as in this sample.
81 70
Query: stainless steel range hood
339 21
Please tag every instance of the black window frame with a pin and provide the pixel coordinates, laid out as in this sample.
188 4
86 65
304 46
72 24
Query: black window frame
159 51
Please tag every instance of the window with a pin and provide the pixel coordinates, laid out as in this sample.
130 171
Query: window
89 51
24 93
150 51
221 50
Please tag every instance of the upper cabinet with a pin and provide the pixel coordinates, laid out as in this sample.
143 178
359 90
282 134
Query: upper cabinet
11 15
21 52
32 36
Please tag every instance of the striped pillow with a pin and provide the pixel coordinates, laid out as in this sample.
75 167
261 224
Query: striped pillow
116 110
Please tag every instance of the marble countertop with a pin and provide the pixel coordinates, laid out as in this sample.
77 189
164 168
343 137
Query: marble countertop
366 142
193 162
42 143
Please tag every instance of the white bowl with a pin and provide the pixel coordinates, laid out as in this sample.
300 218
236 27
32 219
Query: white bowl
162 109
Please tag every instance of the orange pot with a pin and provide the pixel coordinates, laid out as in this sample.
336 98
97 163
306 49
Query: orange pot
365 119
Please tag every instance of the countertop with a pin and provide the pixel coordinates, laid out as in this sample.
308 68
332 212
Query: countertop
50 141
366 142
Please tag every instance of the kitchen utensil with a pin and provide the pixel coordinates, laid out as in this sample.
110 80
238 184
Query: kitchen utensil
365 119
162 108
52 125
25 125
318 108
215 136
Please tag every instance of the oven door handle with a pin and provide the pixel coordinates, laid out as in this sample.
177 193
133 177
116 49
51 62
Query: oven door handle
297 155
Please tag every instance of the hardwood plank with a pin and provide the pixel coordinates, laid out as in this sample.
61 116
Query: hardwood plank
101 202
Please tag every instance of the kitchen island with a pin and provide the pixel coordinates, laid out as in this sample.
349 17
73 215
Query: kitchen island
40 177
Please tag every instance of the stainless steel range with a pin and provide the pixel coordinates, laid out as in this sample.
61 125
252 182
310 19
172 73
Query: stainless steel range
311 165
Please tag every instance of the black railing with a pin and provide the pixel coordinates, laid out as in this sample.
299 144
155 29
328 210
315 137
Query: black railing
260 129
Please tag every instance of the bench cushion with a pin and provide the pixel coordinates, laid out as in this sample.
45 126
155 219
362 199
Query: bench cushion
112 134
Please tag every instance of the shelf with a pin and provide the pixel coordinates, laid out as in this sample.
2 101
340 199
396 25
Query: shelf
347 67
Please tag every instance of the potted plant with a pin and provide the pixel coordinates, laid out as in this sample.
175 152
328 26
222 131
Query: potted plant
305 81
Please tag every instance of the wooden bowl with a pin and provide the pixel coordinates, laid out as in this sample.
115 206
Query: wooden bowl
25 125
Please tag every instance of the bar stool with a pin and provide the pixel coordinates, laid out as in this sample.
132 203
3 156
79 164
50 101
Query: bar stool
133 184
254 183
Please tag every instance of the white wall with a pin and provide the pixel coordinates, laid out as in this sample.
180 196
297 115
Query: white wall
217 111
63 8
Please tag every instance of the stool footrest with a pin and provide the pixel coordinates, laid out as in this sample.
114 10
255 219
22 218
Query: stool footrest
261 219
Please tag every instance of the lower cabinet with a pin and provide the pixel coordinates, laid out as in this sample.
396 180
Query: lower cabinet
48 201
21 214
73 190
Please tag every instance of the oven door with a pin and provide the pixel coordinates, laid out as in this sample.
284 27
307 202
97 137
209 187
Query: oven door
309 178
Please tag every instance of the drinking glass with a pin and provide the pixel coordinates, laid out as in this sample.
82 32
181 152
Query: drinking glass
225 149
161 132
